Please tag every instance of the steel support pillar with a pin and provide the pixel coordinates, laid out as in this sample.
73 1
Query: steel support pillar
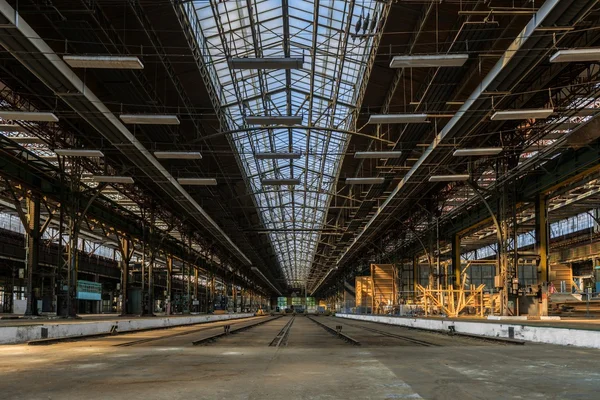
415 275
32 250
433 275
150 302
196 299
211 298
456 263
542 242
142 299
169 305
186 281
126 248
72 265
207 294
212 292
234 292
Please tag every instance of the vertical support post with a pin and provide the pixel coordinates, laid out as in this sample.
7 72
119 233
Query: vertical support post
186 281
126 253
431 282
416 275
150 302
542 241
503 249
196 283
32 250
188 288
60 267
372 291
143 292
211 304
456 263
73 265
169 306
234 292
206 293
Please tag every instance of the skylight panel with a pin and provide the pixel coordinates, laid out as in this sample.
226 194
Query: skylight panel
241 93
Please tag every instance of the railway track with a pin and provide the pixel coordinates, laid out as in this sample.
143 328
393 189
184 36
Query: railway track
146 340
393 335
282 337
182 333
337 331
227 330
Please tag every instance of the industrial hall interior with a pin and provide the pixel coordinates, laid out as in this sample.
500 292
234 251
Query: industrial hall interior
299 199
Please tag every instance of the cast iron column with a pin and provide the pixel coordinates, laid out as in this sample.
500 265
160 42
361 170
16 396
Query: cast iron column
542 241
169 307
32 249
456 263
126 253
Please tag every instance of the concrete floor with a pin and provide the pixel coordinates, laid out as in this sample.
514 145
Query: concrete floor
313 365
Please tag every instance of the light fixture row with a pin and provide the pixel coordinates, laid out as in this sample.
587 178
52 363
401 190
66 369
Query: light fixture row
40 116
282 120
275 181
458 60
501 115
193 155
400 61
128 179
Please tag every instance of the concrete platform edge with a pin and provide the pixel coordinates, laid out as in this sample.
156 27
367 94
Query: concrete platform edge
26 333
538 334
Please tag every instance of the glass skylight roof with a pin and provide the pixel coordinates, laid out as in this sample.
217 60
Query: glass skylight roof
325 92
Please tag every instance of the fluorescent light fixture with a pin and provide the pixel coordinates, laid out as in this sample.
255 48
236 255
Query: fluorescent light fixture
427 61
483 151
28 116
364 181
576 55
112 179
277 156
11 128
526 113
27 139
149 119
448 178
377 154
276 182
79 153
397 118
266 63
197 181
178 155
104 62
274 120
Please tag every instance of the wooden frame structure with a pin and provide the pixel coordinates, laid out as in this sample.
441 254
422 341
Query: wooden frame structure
385 288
